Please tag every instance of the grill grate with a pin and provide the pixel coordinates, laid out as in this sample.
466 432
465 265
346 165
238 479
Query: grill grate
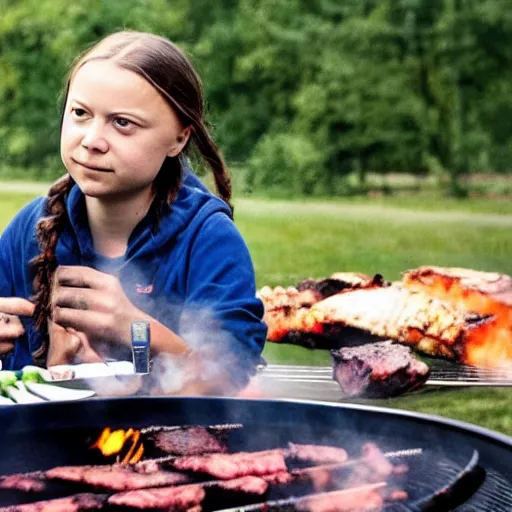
494 494
442 373
316 382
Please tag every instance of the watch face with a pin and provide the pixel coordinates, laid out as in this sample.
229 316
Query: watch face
140 332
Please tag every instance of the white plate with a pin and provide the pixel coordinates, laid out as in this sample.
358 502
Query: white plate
19 393
56 393
91 370
5 401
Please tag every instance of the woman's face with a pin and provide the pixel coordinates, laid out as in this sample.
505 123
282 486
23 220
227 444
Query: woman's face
117 131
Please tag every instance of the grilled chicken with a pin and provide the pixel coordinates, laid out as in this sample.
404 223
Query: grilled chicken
483 293
412 317
479 292
282 304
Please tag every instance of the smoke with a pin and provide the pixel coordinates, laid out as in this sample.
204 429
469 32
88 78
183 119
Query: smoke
216 364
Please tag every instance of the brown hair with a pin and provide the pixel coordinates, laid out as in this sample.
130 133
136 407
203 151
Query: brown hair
165 67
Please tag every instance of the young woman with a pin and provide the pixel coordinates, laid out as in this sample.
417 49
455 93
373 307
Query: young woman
129 233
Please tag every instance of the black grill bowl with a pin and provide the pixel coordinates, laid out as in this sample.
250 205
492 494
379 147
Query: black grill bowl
460 463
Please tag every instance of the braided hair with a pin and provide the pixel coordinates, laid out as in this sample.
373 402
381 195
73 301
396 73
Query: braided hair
167 68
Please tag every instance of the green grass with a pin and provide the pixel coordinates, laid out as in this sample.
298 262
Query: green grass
292 240
10 203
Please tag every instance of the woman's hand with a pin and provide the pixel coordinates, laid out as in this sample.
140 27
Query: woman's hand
11 308
94 304
68 346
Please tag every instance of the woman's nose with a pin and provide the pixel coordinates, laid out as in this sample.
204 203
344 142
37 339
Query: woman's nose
94 137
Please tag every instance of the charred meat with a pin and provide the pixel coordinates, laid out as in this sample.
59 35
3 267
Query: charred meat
340 282
376 370
482 293
192 440
412 317
282 305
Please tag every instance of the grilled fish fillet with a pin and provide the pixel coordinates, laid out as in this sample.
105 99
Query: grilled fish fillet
412 317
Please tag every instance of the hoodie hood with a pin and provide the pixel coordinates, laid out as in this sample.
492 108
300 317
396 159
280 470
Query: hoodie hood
193 204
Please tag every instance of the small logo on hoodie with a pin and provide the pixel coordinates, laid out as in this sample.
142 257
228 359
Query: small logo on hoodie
144 290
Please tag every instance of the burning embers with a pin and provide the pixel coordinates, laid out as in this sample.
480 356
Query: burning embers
195 471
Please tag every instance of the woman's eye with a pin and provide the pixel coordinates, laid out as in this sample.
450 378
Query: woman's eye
78 112
121 122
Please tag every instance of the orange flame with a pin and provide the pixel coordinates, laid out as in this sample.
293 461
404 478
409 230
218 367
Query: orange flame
488 346
114 442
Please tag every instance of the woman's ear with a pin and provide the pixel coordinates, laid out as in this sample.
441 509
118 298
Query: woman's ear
180 142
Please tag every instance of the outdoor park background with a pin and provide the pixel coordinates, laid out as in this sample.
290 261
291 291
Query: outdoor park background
368 136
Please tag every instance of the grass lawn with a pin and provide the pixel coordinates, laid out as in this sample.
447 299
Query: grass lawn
292 240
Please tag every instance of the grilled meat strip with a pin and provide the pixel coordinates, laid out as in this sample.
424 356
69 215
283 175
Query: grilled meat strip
378 370
27 482
116 477
360 499
190 440
373 466
234 465
226 466
76 503
412 317
186 496
317 454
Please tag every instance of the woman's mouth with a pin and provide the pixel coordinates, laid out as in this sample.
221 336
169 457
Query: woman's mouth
91 167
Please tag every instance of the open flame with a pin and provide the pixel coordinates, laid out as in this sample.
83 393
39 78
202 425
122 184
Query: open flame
126 444
488 346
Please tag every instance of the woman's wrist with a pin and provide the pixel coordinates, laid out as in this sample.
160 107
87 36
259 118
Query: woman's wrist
162 339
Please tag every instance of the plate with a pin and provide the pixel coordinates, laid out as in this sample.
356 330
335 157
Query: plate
65 372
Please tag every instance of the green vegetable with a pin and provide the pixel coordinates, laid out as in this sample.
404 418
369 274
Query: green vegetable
32 376
7 378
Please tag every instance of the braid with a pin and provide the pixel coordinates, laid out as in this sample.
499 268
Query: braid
211 154
166 186
45 263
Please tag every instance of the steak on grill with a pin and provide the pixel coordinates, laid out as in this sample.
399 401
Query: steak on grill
191 440
377 370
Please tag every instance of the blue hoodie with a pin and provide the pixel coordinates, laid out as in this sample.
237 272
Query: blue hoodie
193 274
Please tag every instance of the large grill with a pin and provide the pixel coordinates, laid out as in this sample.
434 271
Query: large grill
450 464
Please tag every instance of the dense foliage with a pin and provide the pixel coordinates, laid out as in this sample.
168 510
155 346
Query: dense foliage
300 92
